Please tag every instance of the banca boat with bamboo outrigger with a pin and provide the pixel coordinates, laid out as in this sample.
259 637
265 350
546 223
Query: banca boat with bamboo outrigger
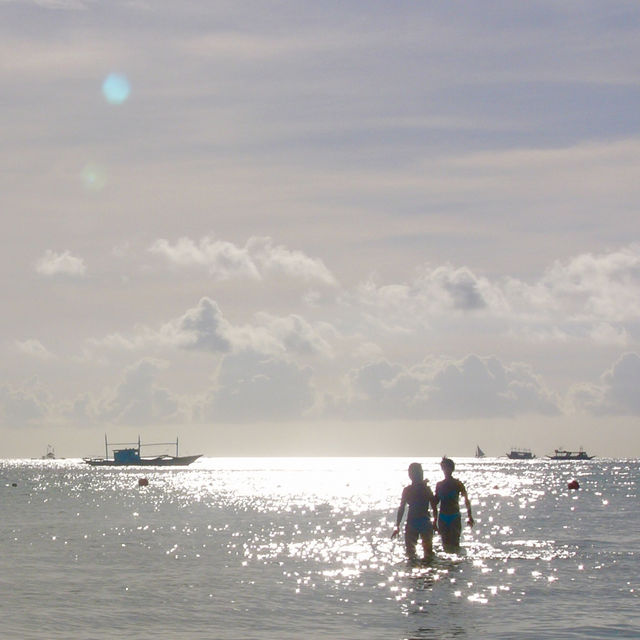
564 454
520 453
130 455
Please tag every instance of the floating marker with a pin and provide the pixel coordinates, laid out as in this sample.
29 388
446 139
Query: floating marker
574 485
143 482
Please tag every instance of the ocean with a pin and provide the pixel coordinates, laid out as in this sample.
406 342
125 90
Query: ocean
294 548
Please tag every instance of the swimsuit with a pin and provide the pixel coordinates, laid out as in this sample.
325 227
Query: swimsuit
448 518
420 525
418 496
449 523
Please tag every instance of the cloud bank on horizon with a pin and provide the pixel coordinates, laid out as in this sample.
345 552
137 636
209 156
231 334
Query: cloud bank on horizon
265 367
244 215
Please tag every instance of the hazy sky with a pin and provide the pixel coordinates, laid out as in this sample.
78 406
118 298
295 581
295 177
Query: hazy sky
391 228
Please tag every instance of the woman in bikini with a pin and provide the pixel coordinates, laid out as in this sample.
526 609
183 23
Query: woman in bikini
419 497
448 492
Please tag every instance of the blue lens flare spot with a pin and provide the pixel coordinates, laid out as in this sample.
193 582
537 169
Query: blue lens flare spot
116 88
94 178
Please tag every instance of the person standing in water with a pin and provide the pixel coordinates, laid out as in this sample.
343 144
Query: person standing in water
419 497
448 492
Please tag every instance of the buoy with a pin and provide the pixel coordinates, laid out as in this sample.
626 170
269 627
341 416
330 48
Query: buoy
143 482
573 485
14 484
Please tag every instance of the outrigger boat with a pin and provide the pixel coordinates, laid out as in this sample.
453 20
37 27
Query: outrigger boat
563 454
520 454
130 455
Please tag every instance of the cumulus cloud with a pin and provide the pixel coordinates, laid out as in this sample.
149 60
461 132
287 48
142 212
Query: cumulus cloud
607 334
257 259
136 400
593 297
25 405
222 259
294 334
589 287
200 328
55 264
278 260
435 291
473 387
254 387
616 394
204 328
34 348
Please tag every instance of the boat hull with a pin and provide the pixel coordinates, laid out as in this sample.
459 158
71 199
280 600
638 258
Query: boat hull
571 457
520 455
564 454
160 461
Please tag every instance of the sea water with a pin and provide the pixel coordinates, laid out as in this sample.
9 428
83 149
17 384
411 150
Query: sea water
300 548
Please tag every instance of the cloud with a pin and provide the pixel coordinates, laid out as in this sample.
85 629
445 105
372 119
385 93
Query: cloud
65 5
606 334
137 399
594 297
473 387
201 328
278 260
616 395
602 286
256 47
294 334
433 292
258 259
27 405
34 348
55 264
222 259
204 329
254 387
588 288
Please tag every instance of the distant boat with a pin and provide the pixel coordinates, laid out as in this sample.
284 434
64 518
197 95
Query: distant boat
130 456
564 454
520 454
479 452
50 455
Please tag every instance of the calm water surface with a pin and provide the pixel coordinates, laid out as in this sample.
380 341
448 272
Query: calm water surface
289 548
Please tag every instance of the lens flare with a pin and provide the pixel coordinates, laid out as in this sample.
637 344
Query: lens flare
116 88
94 177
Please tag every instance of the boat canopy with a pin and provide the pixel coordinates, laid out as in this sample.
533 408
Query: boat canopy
126 456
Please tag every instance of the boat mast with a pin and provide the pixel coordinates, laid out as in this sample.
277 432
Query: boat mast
106 447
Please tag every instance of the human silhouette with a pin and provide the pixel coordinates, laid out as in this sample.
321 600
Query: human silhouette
419 497
448 492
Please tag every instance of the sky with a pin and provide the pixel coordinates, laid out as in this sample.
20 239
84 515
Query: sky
320 228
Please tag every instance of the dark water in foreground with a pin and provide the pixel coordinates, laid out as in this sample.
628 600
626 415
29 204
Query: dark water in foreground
294 548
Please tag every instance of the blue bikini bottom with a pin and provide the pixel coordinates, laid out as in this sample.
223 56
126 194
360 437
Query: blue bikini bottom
448 518
420 525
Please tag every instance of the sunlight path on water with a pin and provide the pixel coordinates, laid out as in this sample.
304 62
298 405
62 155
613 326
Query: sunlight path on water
279 548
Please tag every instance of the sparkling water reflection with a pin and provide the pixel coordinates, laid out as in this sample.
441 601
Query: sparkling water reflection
278 548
